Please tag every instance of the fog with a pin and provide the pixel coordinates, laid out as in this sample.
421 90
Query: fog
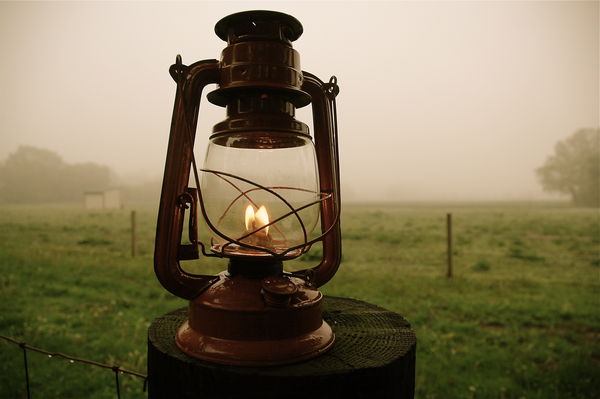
438 100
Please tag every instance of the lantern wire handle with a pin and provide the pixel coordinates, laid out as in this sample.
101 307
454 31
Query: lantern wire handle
304 247
245 194
292 211
227 238
307 244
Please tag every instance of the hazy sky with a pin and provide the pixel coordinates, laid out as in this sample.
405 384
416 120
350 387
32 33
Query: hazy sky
439 100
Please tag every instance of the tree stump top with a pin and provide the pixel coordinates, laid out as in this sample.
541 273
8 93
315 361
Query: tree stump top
372 344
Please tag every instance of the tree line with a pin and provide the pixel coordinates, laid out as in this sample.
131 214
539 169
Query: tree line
574 168
35 175
32 174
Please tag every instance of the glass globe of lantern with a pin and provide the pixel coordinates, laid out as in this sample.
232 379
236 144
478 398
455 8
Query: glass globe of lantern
253 183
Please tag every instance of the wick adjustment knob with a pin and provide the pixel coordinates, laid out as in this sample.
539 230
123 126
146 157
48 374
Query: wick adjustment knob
278 291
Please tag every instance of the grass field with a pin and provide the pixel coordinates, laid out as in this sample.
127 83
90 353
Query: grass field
520 318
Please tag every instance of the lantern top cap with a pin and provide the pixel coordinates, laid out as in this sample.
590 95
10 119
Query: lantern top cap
245 21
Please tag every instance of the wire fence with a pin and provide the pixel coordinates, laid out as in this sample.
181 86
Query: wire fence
72 359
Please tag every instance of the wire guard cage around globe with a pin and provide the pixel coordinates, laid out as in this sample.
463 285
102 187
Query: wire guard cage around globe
256 241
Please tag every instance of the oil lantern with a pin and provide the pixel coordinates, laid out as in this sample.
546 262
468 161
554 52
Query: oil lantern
267 191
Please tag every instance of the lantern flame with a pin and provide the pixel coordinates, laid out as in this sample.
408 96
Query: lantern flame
256 220
249 217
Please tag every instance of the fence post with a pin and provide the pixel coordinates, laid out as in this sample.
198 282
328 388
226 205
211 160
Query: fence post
22 345
449 239
133 232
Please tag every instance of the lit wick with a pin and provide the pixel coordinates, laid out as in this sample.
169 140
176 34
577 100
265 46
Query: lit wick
256 220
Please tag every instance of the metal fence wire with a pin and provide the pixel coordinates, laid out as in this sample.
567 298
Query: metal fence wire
115 368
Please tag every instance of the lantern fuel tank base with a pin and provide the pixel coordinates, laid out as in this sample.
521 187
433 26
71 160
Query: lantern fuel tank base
246 321
255 353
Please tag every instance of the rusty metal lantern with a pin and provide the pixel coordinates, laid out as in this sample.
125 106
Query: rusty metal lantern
264 192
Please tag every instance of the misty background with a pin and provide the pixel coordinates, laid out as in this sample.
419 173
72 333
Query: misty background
438 100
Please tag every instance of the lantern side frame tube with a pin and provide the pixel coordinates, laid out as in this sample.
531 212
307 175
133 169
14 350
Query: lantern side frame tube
191 80
326 144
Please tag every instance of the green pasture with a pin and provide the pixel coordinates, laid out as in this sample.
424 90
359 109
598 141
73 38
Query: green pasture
519 319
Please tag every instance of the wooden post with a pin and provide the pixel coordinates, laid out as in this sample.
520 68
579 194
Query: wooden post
449 238
133 240
373 357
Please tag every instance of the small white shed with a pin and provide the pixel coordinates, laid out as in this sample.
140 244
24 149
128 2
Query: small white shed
107 199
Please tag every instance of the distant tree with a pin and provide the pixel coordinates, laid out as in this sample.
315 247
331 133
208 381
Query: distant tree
574 168
37 175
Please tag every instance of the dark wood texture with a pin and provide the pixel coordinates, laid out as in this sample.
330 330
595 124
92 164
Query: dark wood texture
373 357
